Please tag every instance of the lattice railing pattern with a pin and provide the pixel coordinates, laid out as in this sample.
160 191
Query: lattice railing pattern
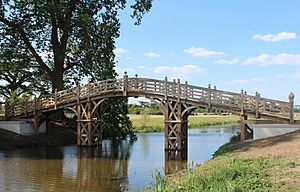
162 89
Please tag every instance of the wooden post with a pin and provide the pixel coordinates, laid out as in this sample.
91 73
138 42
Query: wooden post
244 127
178 90
185 90
166 115
89 91
166 88
176 124
89 122
78 92
125 84
136 82
291 101
55 98
242 102
78 124
209 96
257 115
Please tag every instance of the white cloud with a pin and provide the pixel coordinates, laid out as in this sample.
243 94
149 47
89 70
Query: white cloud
152 54
227 62
280 76
253 79
201 52
120 51
275 37
280 59
175 72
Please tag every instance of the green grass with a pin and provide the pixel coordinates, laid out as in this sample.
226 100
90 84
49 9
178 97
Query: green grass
230 173
226 174
155 123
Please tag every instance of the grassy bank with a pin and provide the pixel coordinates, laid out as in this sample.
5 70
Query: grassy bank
155 123
264 165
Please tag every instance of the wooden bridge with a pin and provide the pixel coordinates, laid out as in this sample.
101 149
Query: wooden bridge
176 99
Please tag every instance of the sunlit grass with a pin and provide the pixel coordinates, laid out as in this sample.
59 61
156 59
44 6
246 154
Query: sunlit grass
226 174
155 123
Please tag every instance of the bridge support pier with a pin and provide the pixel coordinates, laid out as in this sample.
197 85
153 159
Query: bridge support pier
89 123
176 123
244 128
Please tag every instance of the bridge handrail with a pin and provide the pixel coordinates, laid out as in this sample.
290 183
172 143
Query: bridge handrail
206 96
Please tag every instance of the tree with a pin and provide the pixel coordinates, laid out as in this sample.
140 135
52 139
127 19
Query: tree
17 68
76 36
72 39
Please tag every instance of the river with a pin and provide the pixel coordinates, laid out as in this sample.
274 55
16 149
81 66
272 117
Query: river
122 166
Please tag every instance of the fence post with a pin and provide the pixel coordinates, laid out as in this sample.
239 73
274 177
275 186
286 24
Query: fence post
55 98
291 101
78 92
89 91
178 89
136 81
209 96
186 90
166 88
125 84
257 105
242 102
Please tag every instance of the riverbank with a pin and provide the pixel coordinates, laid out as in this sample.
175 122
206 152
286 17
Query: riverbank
271 164
155 123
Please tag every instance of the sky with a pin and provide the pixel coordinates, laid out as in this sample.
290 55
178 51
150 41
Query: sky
252 45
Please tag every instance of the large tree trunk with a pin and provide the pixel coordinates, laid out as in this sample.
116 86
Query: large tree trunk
56 79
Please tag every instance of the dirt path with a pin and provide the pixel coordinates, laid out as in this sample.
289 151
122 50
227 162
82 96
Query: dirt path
285 146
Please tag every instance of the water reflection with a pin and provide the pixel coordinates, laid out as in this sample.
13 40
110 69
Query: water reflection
56 169
116 166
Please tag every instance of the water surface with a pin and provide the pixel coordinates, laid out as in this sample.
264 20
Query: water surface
122 166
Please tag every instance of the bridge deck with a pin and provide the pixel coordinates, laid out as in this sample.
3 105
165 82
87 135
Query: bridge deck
198 97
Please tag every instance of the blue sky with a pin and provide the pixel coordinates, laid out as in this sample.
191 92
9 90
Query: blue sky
251 45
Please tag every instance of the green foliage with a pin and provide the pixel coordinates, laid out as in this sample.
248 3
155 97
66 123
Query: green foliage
134 109
117 124
155 123
17 68
68 39
149 108
159 182
227 147
227 174
15 98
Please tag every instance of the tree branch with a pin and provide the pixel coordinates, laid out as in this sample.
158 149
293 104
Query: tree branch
26 41
67 26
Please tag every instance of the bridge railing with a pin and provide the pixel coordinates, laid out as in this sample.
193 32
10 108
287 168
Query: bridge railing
212 97
205 97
